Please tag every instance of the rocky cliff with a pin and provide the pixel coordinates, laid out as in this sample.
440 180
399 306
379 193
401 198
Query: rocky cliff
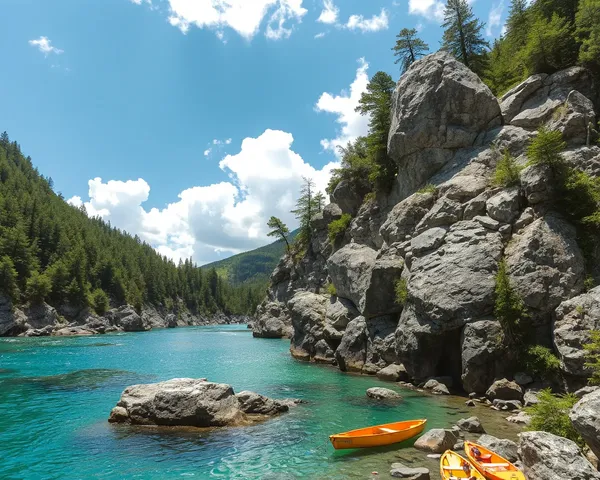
446 241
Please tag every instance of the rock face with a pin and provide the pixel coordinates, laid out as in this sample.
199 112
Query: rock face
439 106
191 402
416 269
548 457
585 417
128 319
273 321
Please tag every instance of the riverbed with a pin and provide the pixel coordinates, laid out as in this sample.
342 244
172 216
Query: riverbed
56 394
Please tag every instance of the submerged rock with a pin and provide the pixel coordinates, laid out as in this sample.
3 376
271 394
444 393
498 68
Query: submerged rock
471 425
400 470
191 402
379 393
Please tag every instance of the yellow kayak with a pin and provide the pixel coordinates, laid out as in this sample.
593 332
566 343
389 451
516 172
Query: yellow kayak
453 467
379 435
492 465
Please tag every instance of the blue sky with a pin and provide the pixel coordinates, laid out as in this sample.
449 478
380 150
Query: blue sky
190 122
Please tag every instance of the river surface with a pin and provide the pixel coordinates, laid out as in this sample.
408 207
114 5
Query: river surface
56 394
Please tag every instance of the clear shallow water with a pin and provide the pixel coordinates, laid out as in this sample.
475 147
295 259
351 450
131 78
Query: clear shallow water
56 394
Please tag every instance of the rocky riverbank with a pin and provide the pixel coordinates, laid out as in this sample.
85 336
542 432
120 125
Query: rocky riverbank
45 320
441 234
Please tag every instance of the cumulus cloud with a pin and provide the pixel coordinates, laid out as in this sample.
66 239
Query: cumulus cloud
329 14
353 124
44 45
220 219
494 18
432 9
243 16
320 35
373 24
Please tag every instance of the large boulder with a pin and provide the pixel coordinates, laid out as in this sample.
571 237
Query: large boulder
308 311
405 216
12 320
191 402
272 321
505 205
482 355
585 417
437 440
439 106
512 101
574 319
504 390
351 355
127 318
379 393
545 456
545 264
393 373
503 447
471 425
348 198
350 269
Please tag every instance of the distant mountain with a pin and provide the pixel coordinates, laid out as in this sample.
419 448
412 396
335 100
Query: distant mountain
254 266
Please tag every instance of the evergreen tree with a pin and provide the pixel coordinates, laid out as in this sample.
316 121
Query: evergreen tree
409 48
320 201
279 229
377 102
462 35
39 287
306 207
517 22
8 278
587 23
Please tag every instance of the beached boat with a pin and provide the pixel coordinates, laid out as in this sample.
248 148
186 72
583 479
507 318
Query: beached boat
492 465
379 435
454 467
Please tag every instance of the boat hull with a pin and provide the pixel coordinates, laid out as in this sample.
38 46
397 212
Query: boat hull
378 436
451 466
503 469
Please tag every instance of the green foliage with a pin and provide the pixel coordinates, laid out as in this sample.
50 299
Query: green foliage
8 278
551 415
589 282
40 232
509 308
337 228
100 302
39 287
592 350
356 168
306 208
279 229
401 289
507 171
541 361
546 148
429 188
463 35
409 48
587 32
331 290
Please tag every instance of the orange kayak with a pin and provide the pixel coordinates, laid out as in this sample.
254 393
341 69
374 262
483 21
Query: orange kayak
492 465
379 435
453 467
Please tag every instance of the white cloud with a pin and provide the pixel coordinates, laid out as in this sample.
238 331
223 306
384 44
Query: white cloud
320 35
223 218
494 18
353 123
373 24
207 152
329 14
431 9
243 16
44 45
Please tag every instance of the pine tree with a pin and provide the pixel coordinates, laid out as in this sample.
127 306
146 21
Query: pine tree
377 102
587 24
517 22
462 35
320 201
305 209
8 278
409 48
279 229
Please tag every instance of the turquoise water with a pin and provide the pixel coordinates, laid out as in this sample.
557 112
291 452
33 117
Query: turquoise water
56 394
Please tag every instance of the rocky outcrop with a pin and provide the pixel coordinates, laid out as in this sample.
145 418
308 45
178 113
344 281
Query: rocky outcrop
127 318
483 357
436 440
585 417
192 403
547 457
272 321
574 319
12 320
393 373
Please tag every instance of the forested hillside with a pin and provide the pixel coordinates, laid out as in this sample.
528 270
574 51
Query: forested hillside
51 251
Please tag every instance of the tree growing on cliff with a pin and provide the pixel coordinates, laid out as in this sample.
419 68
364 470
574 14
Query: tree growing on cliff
509 308
320 201
279 230
463 36
377 102
409 48
306 207
593 357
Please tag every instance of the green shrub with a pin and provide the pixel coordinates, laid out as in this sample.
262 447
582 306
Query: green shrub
38 288
429 188
331 290
589 283
546 148
401 289
99 301
551 415
507 171
509 308
592 350
8 278
542 362
337 228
